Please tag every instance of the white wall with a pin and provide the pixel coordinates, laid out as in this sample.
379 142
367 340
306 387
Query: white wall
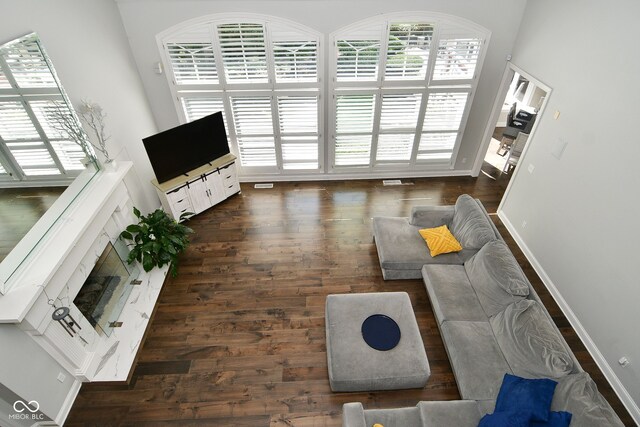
29 372
582 211
144 19
88 47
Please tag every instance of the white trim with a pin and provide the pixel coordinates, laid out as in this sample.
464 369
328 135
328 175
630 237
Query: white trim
595 353
68 403
493 119
352 175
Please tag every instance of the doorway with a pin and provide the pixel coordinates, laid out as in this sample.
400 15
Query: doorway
522 101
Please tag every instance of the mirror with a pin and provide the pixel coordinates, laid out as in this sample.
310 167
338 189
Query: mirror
45 157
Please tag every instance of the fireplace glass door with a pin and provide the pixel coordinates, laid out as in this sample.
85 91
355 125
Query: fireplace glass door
105 292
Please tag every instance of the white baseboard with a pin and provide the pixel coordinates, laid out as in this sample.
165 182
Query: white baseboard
604 366
68 403
342 176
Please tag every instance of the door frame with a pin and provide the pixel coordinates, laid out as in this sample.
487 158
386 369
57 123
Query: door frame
507 76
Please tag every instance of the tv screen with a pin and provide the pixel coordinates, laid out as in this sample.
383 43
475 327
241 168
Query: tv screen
186 147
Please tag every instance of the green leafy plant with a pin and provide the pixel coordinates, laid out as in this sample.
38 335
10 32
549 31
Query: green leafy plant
156 240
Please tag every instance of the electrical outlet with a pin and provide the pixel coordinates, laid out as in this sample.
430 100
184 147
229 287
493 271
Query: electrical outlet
624 361
524 224
61 377
556 115
530 168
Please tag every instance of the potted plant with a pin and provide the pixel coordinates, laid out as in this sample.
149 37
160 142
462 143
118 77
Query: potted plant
156 240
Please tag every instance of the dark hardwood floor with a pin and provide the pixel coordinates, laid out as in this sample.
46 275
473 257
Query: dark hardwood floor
238 337
20 209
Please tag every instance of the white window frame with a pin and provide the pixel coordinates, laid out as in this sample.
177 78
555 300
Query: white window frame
272 88
380 87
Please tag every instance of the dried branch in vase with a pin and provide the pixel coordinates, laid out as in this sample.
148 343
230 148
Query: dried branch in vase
93 116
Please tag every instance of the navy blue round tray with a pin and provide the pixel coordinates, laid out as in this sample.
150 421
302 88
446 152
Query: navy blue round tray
381 332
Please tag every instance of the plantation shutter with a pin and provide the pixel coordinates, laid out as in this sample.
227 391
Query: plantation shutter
192 63
298 118
295 55
197 108
354 129
458 54
23 141
68 152
408 51
441 125
4 82
243 51
28 66
253 121
398 121
359 55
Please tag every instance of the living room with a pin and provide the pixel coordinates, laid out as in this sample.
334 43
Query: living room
554 208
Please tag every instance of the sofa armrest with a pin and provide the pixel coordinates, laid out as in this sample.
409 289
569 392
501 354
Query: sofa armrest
353 415
431 216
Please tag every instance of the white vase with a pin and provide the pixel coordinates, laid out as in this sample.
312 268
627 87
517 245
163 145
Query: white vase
110 166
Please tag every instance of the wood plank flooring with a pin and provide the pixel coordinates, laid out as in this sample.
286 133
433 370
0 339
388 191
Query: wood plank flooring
238 337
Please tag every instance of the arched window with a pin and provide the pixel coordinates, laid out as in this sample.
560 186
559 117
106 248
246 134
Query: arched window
402 87
263 74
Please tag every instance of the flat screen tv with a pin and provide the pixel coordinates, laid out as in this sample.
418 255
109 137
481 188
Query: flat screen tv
186 147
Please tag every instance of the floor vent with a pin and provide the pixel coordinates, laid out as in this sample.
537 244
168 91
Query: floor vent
260 186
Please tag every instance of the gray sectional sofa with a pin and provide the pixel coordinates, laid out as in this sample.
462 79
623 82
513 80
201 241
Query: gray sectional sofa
491 320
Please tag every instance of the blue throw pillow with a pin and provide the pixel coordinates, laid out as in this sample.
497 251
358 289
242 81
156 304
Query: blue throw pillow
531 396
556 419
505 419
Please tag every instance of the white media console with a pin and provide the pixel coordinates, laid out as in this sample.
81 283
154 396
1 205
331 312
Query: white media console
200 188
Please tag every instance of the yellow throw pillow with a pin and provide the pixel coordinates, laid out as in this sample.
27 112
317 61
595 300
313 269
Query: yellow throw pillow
440 240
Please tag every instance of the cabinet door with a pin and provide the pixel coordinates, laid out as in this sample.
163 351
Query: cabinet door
216 187
179 202
199 195
230 180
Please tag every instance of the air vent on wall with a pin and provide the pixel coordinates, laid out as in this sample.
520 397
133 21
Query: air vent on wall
260 186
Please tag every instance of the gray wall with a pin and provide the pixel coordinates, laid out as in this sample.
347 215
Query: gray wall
27 371
89 49
582 210
144 19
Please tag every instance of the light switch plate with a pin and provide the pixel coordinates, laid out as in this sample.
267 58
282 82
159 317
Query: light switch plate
556 115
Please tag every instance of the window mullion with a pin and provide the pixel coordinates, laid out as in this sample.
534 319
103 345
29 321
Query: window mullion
277 140
268 44
433 54
418 134
377 110
11 163
217 55
384 46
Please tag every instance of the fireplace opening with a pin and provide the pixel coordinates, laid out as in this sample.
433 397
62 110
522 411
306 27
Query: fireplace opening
105 292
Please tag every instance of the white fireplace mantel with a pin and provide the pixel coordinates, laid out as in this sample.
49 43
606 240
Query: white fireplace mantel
59 268
35 272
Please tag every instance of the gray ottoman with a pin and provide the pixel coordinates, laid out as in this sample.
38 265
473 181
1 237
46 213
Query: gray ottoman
353 365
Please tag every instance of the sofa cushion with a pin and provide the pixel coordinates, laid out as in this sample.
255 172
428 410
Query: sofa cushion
532 396
451 294
505 419
440 240
400 246
476 359
459 413
496 277
470 224
531 345
578 394
556 419
398 417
